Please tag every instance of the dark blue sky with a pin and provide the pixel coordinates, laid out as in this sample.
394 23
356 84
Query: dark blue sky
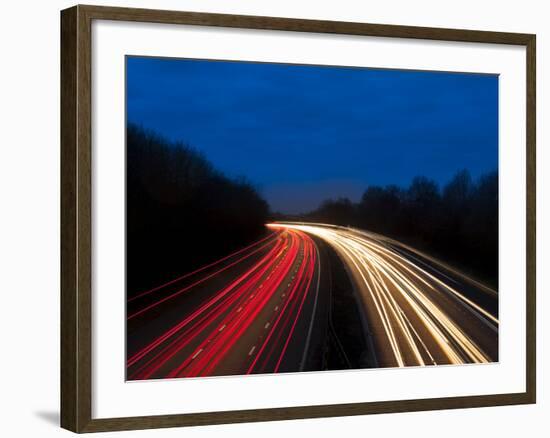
302 134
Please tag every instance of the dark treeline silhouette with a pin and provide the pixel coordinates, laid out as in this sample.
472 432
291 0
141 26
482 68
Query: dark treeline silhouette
458 223
181 212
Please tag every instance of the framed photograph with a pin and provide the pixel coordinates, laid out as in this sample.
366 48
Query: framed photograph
270 218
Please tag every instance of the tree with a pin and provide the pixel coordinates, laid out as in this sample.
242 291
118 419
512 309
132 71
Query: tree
380 208
458 191
421 211
181 211
459 223
338 212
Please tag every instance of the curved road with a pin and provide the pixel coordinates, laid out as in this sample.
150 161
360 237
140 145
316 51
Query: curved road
418 310
264 309
251 312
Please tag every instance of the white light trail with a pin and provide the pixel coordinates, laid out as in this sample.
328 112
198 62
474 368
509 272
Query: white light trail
404 302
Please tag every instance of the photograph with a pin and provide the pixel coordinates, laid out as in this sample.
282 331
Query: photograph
285 218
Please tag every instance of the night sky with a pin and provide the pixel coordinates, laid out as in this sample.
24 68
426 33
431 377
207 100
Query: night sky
302 134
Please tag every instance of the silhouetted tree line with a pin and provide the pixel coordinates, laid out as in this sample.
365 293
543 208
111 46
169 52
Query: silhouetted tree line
181 212
458 222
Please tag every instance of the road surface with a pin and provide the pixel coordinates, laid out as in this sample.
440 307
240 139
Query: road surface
418 310
265 309
251 312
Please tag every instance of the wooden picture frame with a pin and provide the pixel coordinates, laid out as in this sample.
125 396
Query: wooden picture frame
76 217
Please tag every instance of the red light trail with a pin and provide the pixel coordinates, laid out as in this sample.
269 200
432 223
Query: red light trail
270 293
258 309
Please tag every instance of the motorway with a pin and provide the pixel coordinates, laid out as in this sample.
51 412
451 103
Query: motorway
265 308
419 311
253 311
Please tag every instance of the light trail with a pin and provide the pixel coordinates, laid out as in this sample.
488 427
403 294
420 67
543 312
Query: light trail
161 300
254 311
237 327
415 317
201 269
